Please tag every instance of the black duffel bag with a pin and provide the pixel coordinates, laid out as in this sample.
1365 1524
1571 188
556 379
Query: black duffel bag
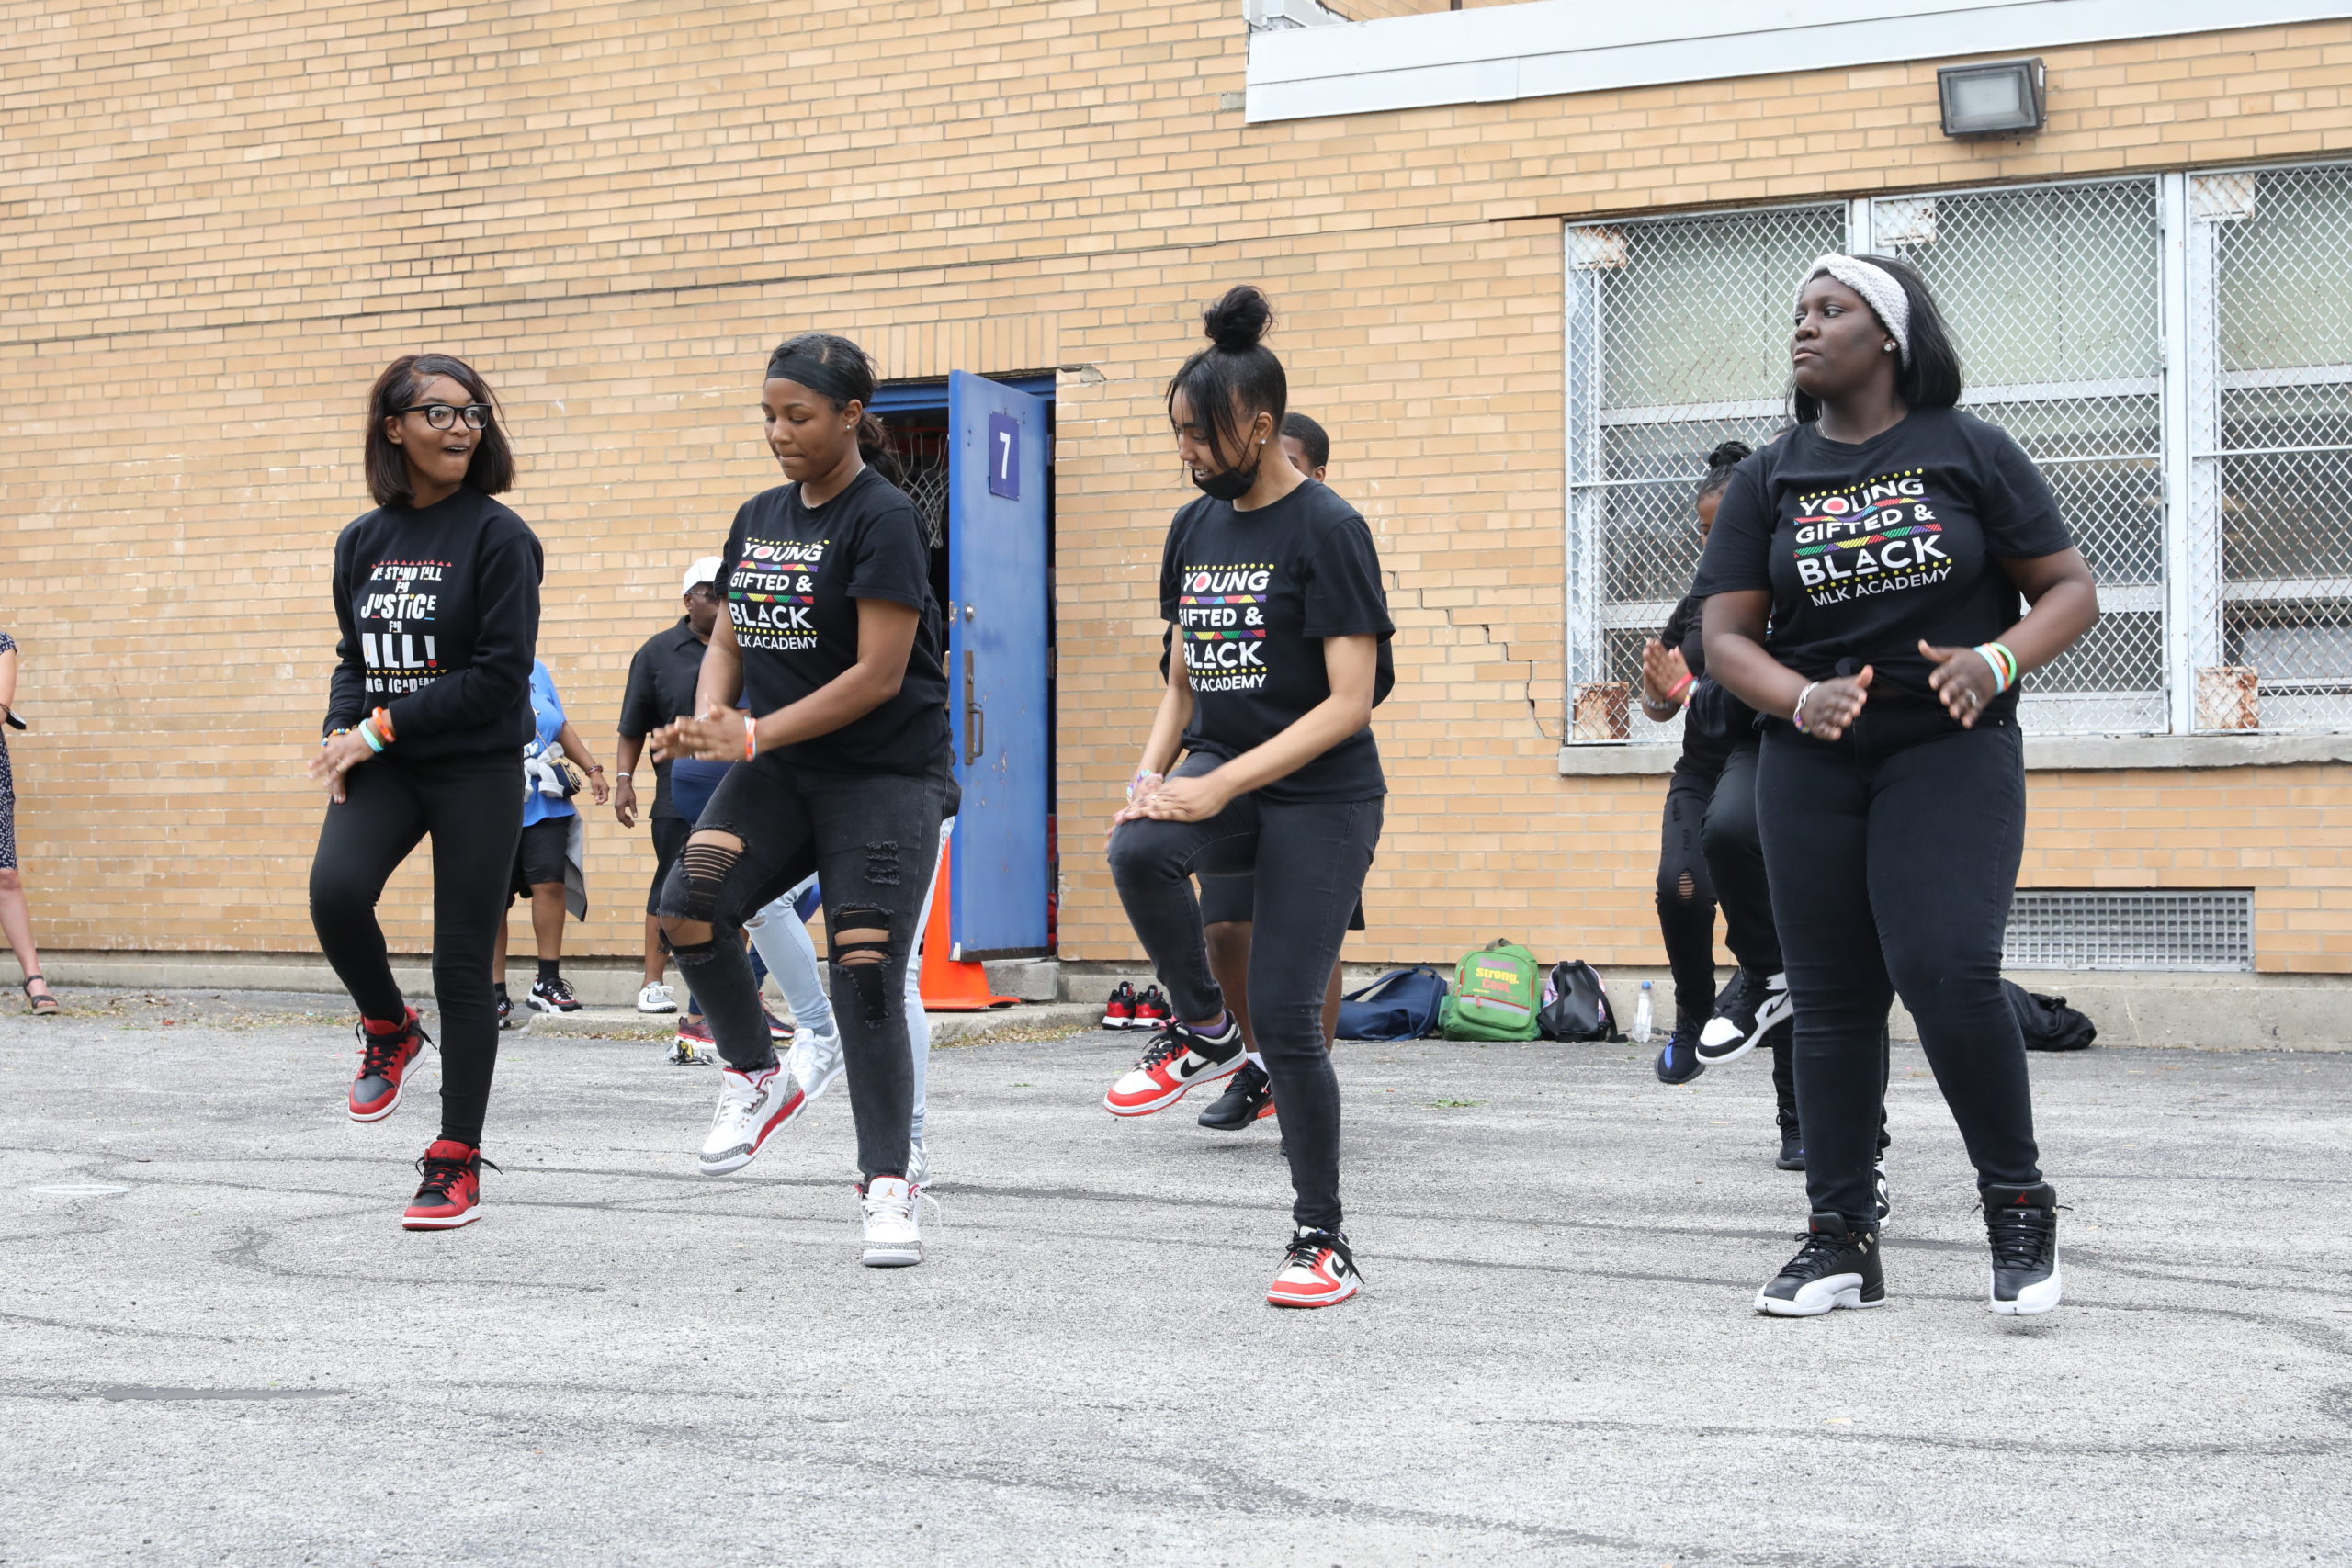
2048 1022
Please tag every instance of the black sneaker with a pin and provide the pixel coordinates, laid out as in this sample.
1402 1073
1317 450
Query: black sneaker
1835 1268
1878 1191
1752 1007
2022 1224
1248 1096
1678 1062
553 995
1792 1145
507 1017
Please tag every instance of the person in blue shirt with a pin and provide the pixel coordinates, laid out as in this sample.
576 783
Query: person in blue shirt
549 860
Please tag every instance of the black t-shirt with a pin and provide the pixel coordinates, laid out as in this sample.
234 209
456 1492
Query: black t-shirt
1713 721
1251 596
438 608
793 578
661 682
1867 549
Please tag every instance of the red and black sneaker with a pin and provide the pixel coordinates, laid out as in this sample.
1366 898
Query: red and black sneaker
1177 1060
450 1194
1152 1010
1119 1012
386 1053
1317 1272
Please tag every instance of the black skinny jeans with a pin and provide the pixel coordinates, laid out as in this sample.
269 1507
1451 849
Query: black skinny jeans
1894 853
873 842
1310 860
472 806
1710 849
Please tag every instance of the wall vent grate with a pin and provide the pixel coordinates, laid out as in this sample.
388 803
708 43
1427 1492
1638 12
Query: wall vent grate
2146 929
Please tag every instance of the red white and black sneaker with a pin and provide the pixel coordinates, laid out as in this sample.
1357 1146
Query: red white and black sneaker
1152 1010
779 1031
1179 1058
1119 1012
1317 1272
384 1061
450 1194
751 1106
552 995
1248 1096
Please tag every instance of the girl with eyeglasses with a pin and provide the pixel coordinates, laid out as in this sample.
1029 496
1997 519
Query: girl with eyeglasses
437 597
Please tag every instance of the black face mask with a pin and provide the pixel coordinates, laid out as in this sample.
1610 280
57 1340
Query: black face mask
1232 484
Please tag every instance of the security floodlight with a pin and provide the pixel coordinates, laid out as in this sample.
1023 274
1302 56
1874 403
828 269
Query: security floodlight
1994 97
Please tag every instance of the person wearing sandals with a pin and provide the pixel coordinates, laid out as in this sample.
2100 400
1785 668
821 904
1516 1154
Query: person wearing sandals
436 594
16 917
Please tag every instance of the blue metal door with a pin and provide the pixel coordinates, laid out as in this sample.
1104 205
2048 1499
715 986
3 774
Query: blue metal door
996 665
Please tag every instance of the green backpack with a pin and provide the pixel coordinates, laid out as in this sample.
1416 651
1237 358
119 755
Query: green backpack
1495 995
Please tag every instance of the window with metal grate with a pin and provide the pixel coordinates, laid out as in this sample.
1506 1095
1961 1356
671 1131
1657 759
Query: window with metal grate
2142 929
2191 407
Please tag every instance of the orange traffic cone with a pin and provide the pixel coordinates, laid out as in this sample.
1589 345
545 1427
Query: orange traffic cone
951 985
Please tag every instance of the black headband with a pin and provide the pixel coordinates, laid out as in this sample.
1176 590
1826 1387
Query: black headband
830 380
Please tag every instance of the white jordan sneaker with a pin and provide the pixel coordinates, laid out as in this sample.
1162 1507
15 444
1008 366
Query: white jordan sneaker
751 1106
893 1235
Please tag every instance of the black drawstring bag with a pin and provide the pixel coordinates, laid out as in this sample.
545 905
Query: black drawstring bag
2048 1022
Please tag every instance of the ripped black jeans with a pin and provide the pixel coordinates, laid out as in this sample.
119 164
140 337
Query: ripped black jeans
872 841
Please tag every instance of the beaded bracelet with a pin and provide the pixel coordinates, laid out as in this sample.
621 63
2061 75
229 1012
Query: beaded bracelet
1143 779
330 738
1796 714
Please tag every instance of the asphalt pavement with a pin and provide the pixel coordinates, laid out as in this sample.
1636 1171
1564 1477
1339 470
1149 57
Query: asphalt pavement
216 1345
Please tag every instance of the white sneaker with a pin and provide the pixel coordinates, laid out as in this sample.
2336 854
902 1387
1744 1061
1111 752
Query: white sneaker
893 1237
751 1106
656 998
816 1060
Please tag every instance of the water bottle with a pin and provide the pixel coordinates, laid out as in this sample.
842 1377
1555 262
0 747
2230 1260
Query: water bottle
1641 1030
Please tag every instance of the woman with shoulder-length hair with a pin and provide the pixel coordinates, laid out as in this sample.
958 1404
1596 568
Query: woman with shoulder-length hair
436 595
1886 543
1272 586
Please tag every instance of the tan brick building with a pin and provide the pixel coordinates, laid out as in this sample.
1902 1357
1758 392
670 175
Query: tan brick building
1526 265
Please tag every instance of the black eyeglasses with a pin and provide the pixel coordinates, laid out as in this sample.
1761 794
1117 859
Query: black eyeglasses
443 416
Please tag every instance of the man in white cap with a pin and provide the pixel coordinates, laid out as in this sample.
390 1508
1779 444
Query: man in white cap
660 688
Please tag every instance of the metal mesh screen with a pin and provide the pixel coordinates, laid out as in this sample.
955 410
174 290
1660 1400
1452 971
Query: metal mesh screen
2054 296
1677 341
2273 433
2142 930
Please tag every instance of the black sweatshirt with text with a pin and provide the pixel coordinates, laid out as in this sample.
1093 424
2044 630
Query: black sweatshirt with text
438 608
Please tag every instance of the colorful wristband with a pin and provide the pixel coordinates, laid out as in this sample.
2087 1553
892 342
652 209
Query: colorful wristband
1680 689
751 738
367 733
2004 665
382 720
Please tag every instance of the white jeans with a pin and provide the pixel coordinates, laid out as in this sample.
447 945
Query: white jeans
791 956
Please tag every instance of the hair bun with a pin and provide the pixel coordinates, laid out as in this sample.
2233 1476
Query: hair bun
1729 455
1238 321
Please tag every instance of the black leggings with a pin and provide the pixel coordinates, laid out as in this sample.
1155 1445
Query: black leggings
1894 853
472 806
873 842
1709 850
1310 860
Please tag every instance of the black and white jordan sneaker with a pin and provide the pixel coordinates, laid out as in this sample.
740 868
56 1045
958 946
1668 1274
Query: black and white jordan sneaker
1836 1266
1179 1059
2022 1224
1752 1007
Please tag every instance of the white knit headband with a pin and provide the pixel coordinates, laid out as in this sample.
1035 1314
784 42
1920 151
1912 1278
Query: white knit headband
1878 288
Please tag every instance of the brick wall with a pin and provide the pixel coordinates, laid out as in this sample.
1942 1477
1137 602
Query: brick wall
223 219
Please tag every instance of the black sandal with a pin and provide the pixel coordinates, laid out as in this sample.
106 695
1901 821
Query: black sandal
43 1005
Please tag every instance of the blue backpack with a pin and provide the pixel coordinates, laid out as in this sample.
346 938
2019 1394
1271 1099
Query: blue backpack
1401 1005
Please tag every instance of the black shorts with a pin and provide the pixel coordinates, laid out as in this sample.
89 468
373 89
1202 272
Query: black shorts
1232 901
539 857
670 836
